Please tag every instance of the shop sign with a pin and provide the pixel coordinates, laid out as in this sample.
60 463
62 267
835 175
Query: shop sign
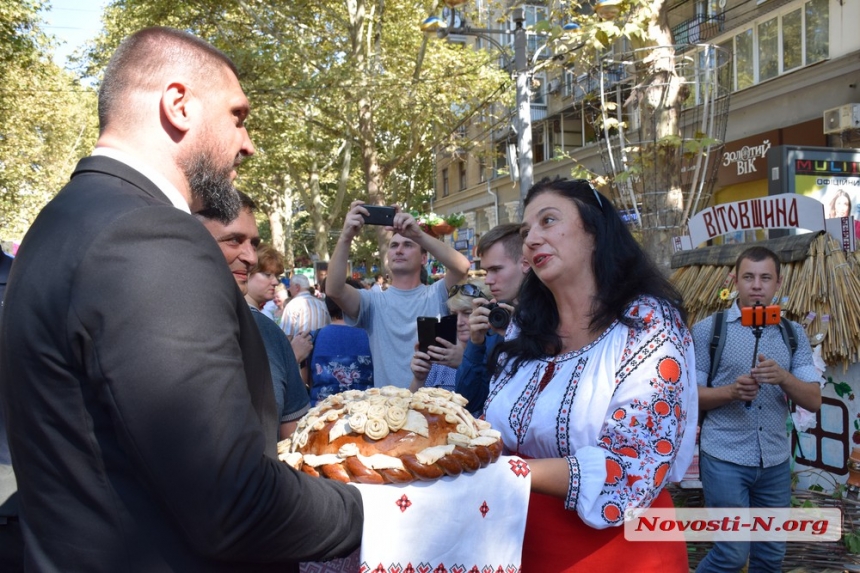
785 211
744 159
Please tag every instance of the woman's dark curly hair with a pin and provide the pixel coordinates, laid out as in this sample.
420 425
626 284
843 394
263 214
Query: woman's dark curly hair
622 271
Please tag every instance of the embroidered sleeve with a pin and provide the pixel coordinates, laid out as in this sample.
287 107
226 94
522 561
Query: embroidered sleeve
645 422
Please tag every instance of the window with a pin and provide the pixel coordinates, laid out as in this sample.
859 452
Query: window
500 166
780 44
744 56
445 182
768 49
569 82
817 31
533 14
539 93
792 40
482 168
538 151
462 171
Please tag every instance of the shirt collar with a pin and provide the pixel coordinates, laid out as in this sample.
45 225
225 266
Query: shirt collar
733 312
160 181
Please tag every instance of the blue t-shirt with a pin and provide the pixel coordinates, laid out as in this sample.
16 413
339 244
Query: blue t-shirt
340 361
291 395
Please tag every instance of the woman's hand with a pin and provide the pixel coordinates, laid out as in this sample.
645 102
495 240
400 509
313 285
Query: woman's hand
420 366
446 353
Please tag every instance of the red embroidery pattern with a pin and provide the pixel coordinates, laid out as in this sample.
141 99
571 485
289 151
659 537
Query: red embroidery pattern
440 568
642 444
485 509
403 503
519 467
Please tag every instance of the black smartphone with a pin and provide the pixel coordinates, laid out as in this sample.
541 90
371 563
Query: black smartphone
447 328
379 215
426 332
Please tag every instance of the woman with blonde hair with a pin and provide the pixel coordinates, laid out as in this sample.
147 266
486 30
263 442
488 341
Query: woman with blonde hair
438 366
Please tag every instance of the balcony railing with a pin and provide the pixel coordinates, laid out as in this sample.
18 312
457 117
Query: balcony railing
698 29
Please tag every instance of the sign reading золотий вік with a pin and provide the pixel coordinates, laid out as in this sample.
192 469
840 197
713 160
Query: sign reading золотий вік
785 211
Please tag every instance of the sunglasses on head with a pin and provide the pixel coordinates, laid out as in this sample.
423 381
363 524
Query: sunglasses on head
466 290
593 190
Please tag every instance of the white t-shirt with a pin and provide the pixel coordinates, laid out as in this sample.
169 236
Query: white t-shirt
389 317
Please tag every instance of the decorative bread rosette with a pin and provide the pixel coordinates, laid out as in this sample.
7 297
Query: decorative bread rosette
390 435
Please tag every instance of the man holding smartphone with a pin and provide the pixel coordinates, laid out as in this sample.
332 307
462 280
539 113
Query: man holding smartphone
744 449
389 316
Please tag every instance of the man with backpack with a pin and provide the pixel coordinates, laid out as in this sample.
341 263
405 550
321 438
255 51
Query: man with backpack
744 446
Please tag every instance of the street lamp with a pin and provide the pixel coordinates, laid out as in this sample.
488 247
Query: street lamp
521 70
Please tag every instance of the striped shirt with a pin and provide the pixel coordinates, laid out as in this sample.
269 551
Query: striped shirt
304 313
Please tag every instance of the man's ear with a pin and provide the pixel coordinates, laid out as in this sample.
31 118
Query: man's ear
524 265
175 102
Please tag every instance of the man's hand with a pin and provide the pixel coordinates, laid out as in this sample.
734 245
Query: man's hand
767 371
354 221
744 389
479 322
420 366
406 225
302 345
446 353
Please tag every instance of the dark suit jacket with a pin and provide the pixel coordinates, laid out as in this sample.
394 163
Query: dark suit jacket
138 399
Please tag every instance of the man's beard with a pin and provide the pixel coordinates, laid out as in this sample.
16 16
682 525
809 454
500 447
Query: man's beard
212 188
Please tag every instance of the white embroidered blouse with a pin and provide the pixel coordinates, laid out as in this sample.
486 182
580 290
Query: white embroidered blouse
622 411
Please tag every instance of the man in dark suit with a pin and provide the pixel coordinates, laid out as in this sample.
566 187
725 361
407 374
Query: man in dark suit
136 389
11 545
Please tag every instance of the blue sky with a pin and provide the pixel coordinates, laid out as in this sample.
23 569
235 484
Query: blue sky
73 22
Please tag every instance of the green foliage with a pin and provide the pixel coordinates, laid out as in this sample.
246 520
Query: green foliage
338 111
851 541
48 120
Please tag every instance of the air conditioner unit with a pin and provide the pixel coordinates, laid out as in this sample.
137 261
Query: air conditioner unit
842 118
554 85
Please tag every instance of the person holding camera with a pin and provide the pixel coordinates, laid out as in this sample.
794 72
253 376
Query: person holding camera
437 367
501 253
389 316
595 383
745 450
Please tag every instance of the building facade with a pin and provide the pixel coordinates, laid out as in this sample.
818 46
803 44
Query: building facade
792 62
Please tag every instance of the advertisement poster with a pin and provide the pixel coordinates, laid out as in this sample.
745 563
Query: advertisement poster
839 192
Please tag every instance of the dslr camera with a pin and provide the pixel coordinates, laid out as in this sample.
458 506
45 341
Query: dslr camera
499 316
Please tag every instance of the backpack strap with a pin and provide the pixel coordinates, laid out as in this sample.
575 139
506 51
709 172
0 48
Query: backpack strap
788 335
718 342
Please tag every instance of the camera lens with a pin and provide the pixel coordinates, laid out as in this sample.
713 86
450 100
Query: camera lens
499 317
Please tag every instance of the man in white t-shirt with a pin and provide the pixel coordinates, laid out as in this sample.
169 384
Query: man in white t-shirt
389 315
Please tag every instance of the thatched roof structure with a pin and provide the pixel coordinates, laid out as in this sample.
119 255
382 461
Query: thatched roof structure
817 276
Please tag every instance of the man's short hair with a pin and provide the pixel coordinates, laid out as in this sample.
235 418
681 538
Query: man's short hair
507 234
301 280
245 202
269 260
757 254
142 62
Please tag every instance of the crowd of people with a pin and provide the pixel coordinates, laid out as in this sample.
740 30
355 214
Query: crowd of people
149 367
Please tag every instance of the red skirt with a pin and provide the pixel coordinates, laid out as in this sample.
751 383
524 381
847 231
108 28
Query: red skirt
557 541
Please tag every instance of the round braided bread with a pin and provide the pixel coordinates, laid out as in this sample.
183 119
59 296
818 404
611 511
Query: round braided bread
389 435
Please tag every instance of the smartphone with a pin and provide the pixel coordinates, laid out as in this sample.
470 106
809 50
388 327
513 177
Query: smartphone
430 328
446 329
426 332
760 315
379 215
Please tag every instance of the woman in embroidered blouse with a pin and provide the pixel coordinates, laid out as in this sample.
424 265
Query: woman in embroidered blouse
595 383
